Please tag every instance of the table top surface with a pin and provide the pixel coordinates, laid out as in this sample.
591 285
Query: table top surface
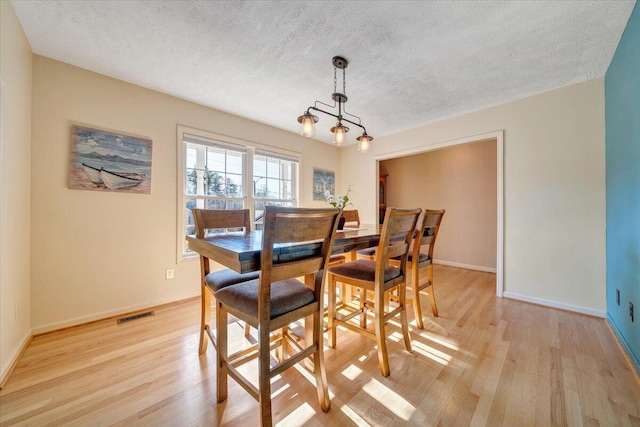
241 251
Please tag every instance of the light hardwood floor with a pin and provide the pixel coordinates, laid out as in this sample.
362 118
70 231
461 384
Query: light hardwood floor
484 361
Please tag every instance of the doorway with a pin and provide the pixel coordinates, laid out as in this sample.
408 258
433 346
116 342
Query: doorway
408 171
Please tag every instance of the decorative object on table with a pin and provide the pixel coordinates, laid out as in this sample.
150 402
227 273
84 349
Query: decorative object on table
339 202
109 161
308 120
323 181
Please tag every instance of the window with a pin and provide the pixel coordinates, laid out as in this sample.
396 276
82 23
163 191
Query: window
273 182
219 172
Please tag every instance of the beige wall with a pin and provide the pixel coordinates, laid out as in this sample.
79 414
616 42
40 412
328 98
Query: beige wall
462 180
15 174
96 254
554 189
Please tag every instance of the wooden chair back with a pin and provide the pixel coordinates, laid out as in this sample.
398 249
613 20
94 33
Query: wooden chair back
397 233
351 217
214 219
284 225
427 232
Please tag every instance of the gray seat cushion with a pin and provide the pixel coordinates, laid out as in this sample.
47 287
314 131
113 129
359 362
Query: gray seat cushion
217 280
367 252
286 296
363 269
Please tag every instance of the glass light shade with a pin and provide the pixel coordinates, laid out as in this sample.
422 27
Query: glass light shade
308 122
364 142
339 133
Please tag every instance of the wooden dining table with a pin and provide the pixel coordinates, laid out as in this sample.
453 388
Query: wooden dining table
240 251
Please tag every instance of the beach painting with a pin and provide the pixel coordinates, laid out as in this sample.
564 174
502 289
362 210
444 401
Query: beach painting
323 180
109 161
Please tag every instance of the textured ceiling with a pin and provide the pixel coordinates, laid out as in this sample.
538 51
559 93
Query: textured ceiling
411 62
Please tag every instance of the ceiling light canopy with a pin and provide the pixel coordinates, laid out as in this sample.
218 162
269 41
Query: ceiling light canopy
308 120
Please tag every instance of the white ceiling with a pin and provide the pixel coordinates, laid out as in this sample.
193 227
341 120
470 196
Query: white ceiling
411 62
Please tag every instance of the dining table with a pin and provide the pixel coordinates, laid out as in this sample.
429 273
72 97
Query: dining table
240 251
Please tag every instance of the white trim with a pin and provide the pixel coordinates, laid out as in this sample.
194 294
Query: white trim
498 135
14 356
105 315
555 304
467 266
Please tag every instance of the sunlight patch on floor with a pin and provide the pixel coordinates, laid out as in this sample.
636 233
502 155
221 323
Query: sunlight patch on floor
357 420
439 340
352 372
279 391
298 417
389 399
431 353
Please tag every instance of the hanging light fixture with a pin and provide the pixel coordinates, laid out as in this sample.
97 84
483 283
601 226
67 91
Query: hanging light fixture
308 120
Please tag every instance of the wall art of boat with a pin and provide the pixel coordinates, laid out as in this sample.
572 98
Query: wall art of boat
92 173
113 180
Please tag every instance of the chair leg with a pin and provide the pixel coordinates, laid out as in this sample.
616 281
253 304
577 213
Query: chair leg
264 376
247 330
415 295
432 297
205 319
402 296
381 339
331 329
318 362
221 329
363 308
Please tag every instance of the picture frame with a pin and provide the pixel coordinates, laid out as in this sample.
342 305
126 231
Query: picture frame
109 161
323 180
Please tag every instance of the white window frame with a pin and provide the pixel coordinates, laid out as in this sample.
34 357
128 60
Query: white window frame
252 149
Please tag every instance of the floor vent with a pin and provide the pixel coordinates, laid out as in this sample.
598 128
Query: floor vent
134 317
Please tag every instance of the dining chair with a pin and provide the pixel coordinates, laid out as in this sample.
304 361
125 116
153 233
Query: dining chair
351 218
426 234
379 278
213 281
277 298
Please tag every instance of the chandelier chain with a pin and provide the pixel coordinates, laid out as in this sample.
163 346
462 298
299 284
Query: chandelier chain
344 81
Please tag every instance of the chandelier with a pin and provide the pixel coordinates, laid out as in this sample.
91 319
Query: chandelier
308 120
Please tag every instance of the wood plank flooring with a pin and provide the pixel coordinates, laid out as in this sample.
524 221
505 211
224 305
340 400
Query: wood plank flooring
484 361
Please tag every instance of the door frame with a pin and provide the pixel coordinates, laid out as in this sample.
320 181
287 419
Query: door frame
498 136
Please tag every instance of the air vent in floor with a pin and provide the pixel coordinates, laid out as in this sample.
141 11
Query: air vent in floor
134 317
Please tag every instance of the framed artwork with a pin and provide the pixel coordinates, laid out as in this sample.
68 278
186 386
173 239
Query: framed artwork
109 161
323 180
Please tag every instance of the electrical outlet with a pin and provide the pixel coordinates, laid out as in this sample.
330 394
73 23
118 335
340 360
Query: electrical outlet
631 310
618 296
168 274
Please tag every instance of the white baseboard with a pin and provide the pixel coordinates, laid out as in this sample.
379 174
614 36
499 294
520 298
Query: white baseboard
467 266
101 316
555 304
9 364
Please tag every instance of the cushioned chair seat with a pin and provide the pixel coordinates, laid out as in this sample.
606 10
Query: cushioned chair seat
286 295
337 258
217 280
367 252
423 258
364 270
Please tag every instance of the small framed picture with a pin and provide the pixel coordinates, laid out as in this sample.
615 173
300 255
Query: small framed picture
323 180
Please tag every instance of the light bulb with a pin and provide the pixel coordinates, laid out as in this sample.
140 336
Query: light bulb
364 141
339 133
308 122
